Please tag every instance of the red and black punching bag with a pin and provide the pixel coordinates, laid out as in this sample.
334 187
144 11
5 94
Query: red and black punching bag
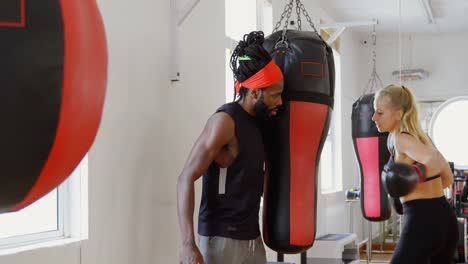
53 72
372 154
294 139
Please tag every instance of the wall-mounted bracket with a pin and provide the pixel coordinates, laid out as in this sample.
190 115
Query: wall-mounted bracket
340 27
178 15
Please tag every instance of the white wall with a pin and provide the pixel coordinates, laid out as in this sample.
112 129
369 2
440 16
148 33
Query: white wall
147 129
189 103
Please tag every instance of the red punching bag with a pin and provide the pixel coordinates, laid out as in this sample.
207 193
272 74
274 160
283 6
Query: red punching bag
53 77
372 154
294 139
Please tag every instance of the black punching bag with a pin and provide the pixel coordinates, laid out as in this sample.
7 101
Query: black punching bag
372 154
294 139
53 72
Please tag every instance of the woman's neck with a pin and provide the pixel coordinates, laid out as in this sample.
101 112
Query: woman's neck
395 132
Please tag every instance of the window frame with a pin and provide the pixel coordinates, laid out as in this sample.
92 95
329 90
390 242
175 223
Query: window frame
231 43
334 137
71 203
42 236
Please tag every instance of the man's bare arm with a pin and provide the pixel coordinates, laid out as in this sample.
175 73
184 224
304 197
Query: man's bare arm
218 132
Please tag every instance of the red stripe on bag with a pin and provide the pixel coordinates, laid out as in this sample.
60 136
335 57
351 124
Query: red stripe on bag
306 128
368 149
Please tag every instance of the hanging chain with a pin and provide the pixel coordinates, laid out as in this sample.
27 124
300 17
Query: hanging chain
374 80
281 18
287 14
298 12
304 11
285 28
283 41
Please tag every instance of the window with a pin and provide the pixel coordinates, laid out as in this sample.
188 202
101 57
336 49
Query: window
50 217
330 160
448 130
265 16
242 17
41 218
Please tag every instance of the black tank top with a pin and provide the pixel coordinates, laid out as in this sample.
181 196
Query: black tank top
391 160
230 199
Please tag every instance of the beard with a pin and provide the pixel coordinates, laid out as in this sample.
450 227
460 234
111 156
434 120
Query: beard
262 112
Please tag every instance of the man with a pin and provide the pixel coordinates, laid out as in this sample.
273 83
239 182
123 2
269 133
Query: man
230 155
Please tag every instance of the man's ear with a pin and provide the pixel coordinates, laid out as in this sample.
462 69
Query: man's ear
255 93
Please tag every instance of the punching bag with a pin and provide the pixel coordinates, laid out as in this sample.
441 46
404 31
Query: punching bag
372 154
294 139
53 76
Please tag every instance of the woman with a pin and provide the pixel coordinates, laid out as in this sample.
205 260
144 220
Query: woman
430 232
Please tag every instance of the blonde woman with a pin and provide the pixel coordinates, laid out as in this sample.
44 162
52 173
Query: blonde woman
416 173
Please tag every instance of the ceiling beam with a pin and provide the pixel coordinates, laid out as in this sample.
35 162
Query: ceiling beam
426 5
349 24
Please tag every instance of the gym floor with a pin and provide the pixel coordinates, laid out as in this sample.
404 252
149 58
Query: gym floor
378 257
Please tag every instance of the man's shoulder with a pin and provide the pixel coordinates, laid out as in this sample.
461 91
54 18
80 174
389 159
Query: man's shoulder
232 109
221 118
232 106
219 124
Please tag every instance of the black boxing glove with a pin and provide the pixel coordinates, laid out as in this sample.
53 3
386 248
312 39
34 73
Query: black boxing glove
399 179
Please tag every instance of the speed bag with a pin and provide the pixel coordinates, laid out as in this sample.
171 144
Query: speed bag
294 139
371 150
53 78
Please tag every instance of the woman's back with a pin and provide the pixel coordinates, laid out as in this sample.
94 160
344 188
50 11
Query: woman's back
424 190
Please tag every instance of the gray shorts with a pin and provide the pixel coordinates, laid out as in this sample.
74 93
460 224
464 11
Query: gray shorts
222 250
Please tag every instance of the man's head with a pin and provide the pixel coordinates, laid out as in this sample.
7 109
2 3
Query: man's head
258 78
267 100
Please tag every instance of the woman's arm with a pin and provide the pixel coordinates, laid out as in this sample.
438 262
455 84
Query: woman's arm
417 151
446 175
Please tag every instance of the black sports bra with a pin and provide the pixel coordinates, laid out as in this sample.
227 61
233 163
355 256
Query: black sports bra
391 160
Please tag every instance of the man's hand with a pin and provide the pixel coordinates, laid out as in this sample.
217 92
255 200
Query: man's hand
190 255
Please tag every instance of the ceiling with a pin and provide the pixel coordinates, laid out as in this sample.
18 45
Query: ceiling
449 15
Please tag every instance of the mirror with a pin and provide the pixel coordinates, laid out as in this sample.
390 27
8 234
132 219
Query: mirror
427 39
